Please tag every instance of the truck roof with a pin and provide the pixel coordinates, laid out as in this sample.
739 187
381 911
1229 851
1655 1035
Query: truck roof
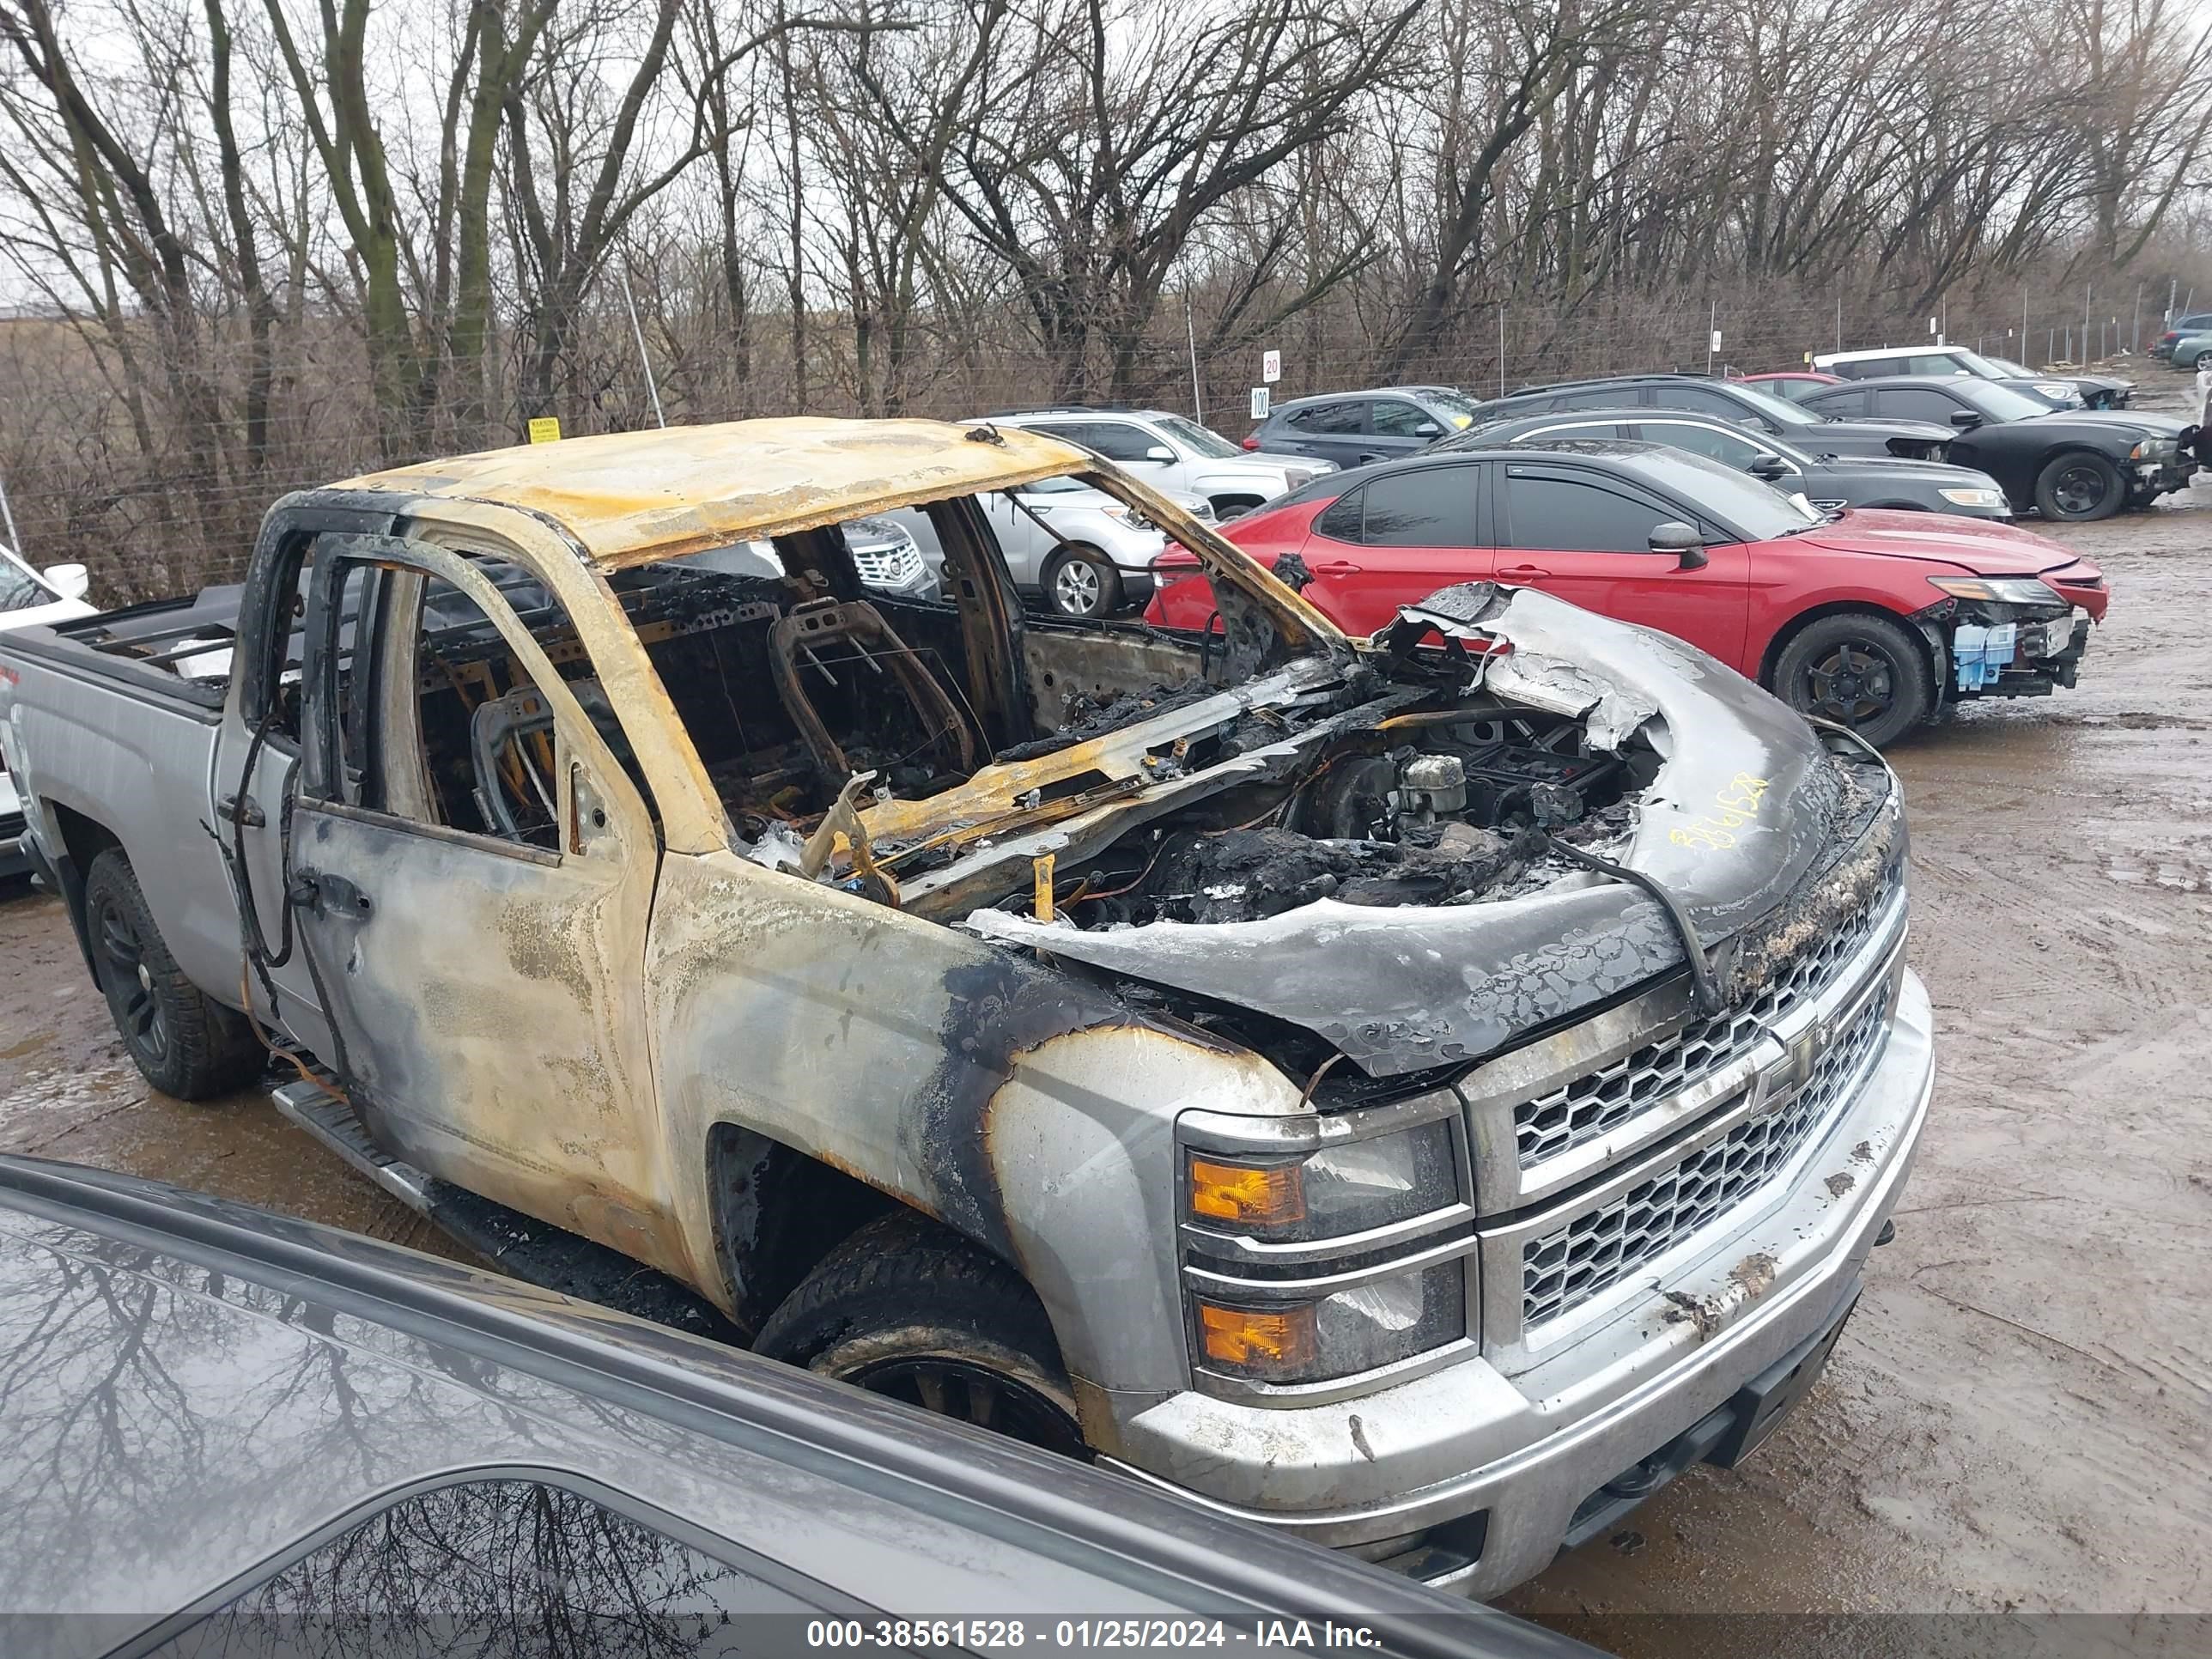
631 497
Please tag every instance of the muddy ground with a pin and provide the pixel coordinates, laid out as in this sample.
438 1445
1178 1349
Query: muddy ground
2017 1419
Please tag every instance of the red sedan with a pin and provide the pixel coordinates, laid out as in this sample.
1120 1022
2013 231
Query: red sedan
1875 620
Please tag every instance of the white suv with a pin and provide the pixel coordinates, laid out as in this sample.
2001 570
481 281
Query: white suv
1173 454
30 599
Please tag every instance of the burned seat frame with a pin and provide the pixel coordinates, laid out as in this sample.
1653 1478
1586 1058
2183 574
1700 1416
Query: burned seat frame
860 625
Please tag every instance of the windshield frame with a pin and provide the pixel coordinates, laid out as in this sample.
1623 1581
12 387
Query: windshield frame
1180 429
1775 407
1988 393
1723 494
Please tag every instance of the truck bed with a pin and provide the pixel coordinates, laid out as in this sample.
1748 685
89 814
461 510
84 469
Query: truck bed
167 648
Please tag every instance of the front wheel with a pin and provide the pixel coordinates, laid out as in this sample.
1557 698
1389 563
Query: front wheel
183 1042
1858 670
2079 487
1082 582
908 1309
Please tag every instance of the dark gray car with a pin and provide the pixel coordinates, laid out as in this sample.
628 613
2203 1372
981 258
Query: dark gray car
226 1432
1828 483
1730 400
1352 429
2077 464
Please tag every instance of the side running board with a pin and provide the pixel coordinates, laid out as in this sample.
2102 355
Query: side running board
332 1121
513 1243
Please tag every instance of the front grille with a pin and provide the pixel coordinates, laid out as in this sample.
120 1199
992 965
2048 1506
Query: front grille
1594 1251
888 566
1601 1100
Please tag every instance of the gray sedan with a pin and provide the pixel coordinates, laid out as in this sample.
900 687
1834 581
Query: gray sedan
225 1432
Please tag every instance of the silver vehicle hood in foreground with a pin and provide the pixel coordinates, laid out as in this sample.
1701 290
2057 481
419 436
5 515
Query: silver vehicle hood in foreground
1760 834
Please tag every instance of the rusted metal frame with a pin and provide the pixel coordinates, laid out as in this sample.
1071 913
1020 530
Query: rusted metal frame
691 811
394 553
859 623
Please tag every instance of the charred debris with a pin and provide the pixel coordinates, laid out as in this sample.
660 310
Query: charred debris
1396 780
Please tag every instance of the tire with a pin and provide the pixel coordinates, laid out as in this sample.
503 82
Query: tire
1080 581
2200 359
908 1309
1226 507
183 1042
1860 670
2078 488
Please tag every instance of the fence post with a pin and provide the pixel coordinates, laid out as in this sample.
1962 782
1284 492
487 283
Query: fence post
1501 348
1190 333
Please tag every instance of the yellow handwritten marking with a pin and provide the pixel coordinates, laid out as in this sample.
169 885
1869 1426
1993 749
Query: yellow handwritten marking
1733 808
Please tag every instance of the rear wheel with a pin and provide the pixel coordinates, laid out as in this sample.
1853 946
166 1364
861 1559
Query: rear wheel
2078 486
1081 581
183 1042
1859 670
909 1308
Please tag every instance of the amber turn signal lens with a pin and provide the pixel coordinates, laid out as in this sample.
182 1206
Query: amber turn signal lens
1279 1339
1238 1192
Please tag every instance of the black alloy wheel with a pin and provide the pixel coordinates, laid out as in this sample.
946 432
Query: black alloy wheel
128 979
2078 486
1860 670
1855 684
183 1041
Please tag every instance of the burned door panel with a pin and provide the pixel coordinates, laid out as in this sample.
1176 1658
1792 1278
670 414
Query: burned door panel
485 990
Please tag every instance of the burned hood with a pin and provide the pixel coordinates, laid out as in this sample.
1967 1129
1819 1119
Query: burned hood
1747 810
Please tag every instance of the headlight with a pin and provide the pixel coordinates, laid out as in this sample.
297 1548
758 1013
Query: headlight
1361 1327
1998 590
2154 449
1972 498
1349 1187
1296 478
2058 389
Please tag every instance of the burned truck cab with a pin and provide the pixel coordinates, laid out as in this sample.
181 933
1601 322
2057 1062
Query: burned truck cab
1418 1092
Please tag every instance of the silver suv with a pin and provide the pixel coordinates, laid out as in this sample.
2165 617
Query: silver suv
1173 454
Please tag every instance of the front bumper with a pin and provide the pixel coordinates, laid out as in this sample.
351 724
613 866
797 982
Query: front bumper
2152 478
2041 665
1496 1460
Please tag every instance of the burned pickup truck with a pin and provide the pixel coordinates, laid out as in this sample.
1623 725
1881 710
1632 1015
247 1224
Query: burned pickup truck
1419 1093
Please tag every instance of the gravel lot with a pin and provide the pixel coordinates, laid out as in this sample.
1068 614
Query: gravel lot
2015 1419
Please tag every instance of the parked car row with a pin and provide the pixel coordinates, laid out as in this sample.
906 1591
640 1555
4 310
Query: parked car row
2055 391
1878 620
1792 559
2186 341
